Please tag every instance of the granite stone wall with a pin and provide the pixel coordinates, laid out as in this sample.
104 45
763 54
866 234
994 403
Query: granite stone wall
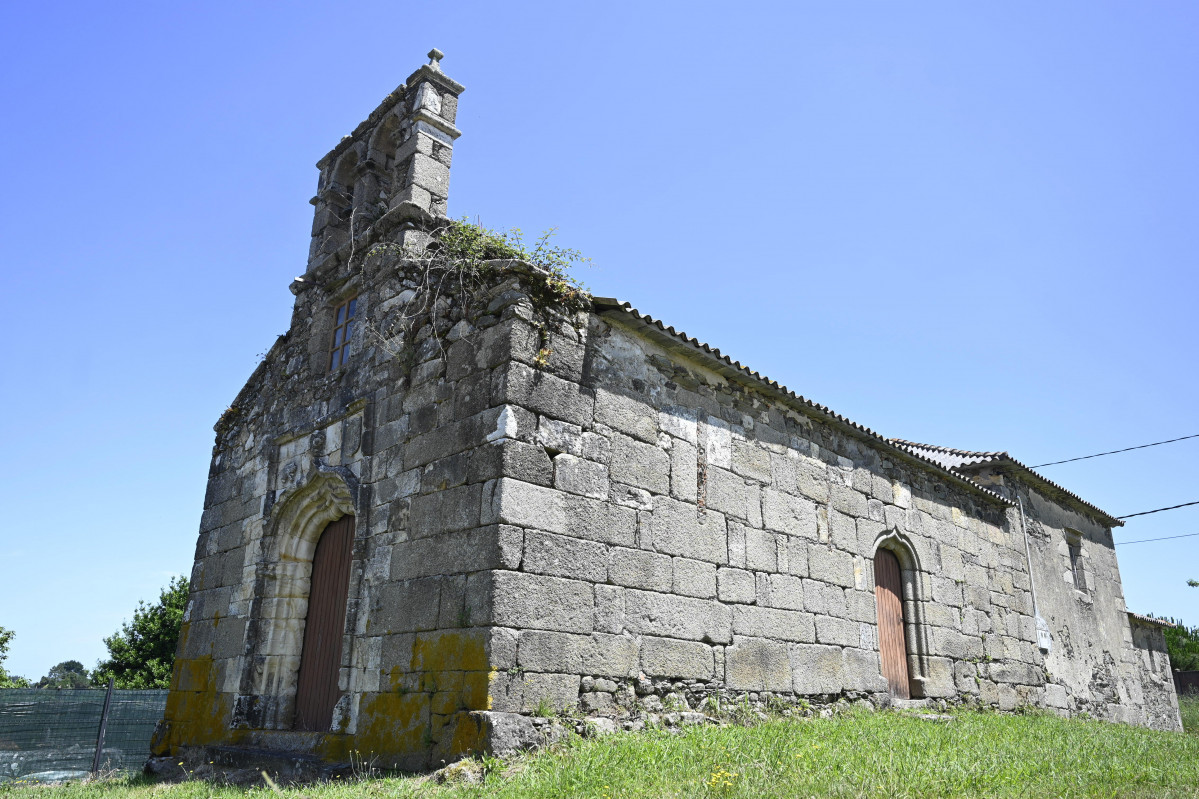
591 511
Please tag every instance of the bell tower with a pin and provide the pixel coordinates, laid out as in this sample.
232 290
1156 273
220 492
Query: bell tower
393 170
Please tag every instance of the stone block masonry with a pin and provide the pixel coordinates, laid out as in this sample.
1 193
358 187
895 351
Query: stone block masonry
622 521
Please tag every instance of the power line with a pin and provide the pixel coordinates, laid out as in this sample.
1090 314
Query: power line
1147 540
1114 451
1159 510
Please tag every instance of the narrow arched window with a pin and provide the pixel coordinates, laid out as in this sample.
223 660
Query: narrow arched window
892 646
320 659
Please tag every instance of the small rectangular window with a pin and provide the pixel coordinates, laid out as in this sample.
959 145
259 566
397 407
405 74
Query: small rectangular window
343 328
1080 578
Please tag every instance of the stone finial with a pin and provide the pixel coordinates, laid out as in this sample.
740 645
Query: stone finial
435 57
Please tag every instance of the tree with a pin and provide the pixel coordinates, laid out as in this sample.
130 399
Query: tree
1193 583
142 653
1182 643
68 674
8 680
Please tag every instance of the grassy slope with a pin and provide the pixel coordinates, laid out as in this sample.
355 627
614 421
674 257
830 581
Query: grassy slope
885 754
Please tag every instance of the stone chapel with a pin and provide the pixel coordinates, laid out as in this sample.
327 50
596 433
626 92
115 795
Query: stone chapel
435 518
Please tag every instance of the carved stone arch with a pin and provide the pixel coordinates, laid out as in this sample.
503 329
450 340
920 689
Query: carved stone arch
275 637
301 513
915 628
345 174
381 157
384 140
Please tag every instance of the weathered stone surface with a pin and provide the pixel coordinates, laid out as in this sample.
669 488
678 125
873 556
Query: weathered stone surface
541 603
831 565
492 547
614 655
445 511
780 591
694 578
761 548
734 496
541 650
560 437
667 657
781 625
541 393
564 556
629 415
788 514
736 585
526 505
637 568
640 465
408 606
579 476
862 671
831 630
600 521
816 669
750 460
555 691
680 423
677 528
683 471
755 664
677 617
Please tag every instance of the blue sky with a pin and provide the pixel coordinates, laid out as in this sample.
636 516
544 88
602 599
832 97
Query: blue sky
966 224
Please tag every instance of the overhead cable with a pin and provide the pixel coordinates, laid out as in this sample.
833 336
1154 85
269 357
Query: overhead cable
1147 540
1159 510
1114 451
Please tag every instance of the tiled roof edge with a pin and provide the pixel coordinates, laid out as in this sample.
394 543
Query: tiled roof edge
950 450
610 304
1045 480
1004 458
1151 620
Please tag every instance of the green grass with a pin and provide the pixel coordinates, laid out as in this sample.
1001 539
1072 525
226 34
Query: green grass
1189 704
861 754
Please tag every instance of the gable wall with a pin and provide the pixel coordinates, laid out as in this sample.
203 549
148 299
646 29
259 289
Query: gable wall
403 429
1094 663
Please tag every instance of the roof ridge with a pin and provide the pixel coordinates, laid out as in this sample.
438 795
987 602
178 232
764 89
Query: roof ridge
950 450
1004 456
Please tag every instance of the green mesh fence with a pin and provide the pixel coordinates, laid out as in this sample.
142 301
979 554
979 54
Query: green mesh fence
51 734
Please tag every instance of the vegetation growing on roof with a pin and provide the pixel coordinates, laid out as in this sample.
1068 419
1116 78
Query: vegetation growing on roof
464 262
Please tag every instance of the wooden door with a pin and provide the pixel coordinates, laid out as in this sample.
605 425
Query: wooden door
320 659
888 599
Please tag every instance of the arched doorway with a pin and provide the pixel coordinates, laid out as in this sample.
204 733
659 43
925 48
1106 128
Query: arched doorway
892 646
320 657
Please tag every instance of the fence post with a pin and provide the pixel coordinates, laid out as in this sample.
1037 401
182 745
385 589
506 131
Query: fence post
103 726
